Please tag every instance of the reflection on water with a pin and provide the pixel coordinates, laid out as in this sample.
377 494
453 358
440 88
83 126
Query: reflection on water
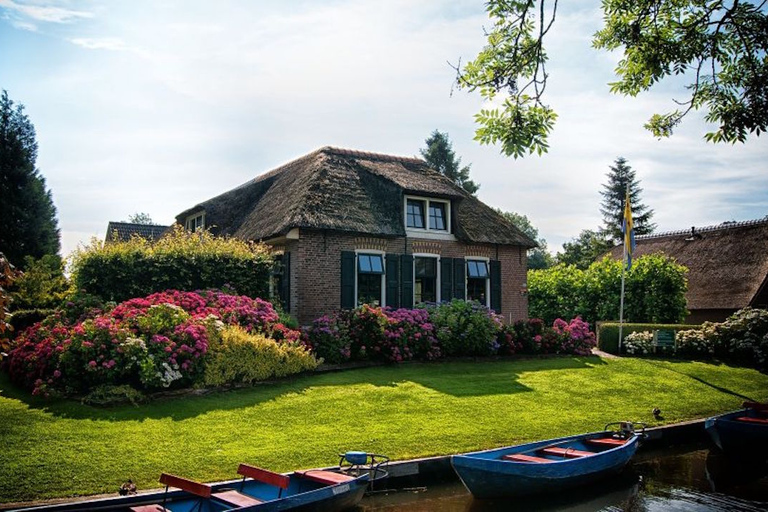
686 479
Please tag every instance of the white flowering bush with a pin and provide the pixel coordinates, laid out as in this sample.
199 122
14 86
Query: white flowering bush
638 343
695 343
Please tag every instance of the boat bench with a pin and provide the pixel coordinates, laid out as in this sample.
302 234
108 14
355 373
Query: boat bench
192 487
607 441
521 457
325 477
751 419
569 453
238 499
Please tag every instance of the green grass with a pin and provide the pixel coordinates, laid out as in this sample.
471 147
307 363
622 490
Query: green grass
57 449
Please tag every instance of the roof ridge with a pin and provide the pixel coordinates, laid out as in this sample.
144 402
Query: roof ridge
135 224
371 155
706 229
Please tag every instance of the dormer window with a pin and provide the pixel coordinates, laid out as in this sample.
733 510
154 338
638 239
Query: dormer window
427 214
195 222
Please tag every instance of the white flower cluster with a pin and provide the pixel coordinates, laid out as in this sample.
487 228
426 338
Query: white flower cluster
639 342
170 374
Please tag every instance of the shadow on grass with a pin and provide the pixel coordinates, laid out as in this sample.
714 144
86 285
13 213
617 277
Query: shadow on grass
712 385
454 378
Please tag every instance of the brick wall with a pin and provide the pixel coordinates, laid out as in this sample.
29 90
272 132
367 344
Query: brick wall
316 268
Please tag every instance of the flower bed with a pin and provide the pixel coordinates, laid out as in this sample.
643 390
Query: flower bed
457 328
154 342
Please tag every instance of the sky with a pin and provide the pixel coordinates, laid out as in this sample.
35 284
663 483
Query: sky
155 106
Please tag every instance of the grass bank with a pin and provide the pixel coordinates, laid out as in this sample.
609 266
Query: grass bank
57 449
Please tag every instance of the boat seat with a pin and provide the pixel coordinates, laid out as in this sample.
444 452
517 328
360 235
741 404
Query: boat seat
325 477
192 487
607 441
236 498
750 419
149 508
569 453
521 457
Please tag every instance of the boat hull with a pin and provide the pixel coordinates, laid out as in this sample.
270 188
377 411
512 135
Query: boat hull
738 438
485 475
302 496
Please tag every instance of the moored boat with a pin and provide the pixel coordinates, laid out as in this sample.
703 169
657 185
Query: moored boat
742 433
547 466
259 490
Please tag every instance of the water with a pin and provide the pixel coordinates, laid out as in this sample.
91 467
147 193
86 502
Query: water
682 479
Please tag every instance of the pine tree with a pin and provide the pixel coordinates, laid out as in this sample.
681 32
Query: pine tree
614 193
28 225
440 155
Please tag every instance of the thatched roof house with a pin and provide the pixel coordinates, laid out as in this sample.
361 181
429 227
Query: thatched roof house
728 265
354 202
122 231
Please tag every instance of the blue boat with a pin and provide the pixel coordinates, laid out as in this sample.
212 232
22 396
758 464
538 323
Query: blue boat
742 433
259 490
550 465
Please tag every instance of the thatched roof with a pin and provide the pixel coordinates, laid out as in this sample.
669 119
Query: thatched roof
350 191
125 230
728 263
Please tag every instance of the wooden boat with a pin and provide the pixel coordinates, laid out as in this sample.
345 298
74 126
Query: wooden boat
259 490
742 433
547 466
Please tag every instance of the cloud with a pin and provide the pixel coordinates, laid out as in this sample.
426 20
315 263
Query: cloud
24 25
103 43
47 13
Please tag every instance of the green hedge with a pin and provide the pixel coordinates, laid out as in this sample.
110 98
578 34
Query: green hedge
24 318
608 332
180 260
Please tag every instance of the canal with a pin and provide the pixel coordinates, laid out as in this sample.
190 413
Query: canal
687 478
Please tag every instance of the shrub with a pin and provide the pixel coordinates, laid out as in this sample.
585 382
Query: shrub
42 285
328 337
466 328
638 343
743 338
695 343
180 260
575 337
24 318
154 342
655 291
408 334
608 332
108 395
529 335
240 357
7 275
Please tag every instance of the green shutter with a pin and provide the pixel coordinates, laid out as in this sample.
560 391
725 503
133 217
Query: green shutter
406 281
446 279
285 288
496 286
347 280
393 280
459 280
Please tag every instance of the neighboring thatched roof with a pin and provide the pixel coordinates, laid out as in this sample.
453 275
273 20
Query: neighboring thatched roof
351 191
124 230
728 263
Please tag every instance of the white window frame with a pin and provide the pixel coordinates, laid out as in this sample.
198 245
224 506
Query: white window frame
438 277
192 218
427 229
487 281
382 302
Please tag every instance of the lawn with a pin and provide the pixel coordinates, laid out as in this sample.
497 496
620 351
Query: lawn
56 449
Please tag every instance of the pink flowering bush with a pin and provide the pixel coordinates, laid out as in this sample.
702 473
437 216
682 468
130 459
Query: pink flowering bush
574 337
154 342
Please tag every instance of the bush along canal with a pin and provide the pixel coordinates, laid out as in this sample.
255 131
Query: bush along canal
677 469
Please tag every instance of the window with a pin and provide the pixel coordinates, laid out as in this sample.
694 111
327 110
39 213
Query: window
370 279
427 214
415 214
478 281
437 216
425 279
195 222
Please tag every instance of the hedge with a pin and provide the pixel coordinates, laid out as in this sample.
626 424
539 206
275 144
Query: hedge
608 332
180 260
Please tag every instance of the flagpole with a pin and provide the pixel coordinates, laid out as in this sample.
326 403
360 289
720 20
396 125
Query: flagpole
621 306
626 231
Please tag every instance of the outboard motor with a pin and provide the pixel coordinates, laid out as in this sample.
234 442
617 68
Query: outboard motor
356 463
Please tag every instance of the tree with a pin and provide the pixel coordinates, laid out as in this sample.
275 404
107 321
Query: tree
720 47
440 155
584 250
614 194
140 218
538 257
29 226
